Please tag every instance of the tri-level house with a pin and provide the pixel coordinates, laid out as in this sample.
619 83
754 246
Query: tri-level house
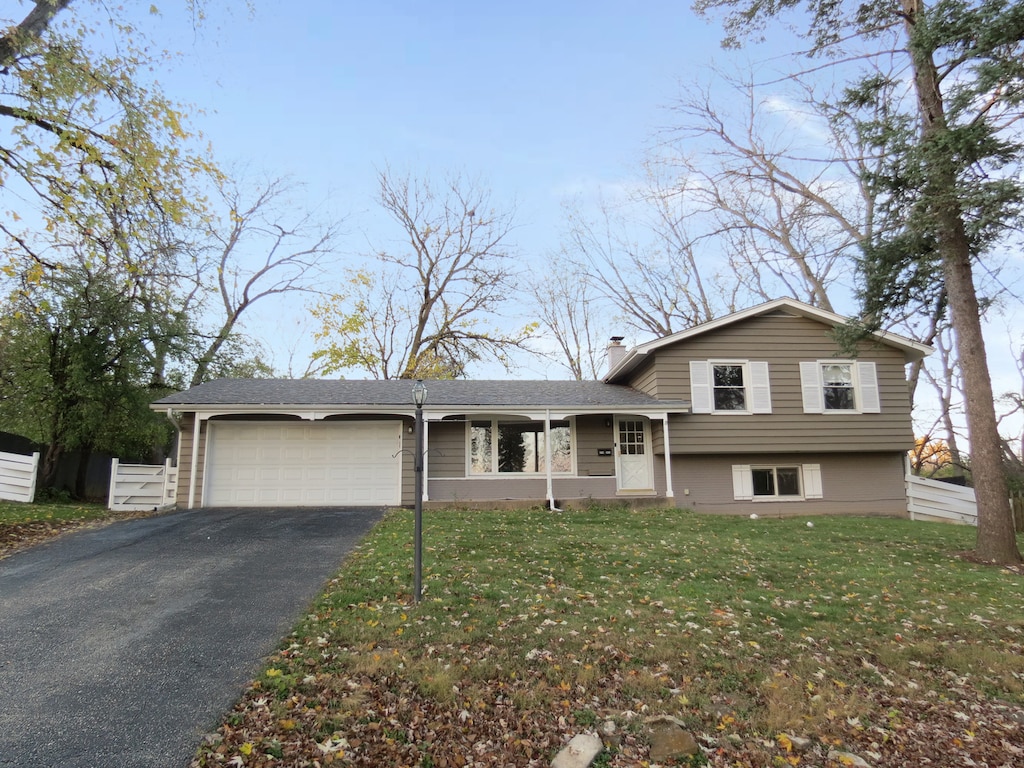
758 411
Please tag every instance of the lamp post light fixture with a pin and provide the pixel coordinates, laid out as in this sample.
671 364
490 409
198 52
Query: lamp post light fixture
419 397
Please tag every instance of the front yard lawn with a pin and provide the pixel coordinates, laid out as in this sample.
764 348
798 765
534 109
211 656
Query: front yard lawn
867 636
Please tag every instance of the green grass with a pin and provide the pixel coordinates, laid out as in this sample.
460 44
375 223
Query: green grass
12 512
732 625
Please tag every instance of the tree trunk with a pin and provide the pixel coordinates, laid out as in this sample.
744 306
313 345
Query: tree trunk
82 474
50 464
996 541
31 28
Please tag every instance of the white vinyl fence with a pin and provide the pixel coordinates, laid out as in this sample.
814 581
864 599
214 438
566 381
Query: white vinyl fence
935 500
140 487
18 476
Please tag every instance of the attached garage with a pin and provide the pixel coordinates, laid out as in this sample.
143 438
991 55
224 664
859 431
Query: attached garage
320 463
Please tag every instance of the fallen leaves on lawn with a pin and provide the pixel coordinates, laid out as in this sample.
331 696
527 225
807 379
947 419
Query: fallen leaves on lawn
772 651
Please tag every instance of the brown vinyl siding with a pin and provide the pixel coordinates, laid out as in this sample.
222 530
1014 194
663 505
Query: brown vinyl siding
646 380
784 341
446 449
857 484
408 474
592 436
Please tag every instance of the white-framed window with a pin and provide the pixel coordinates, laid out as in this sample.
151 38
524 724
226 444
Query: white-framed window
778 482
730 386
839 386
499 446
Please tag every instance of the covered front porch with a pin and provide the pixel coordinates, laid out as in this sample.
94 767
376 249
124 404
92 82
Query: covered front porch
556 458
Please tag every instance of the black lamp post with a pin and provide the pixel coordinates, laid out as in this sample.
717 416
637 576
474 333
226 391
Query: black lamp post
419 397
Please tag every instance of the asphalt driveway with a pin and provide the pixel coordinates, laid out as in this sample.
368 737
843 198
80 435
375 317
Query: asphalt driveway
121 646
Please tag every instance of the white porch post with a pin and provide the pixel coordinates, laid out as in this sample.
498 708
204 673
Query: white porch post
195 460
669 493
426 460
547 458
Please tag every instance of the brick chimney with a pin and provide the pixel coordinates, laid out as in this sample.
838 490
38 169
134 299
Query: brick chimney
616 351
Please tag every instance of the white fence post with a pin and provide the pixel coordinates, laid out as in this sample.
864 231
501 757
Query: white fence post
18 475
112 490
140 487
170 483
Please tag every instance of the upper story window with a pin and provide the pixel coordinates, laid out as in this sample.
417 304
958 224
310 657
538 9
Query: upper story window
518 447
839 386
730 386
729 389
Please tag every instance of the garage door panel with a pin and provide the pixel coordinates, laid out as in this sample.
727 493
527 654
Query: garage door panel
308 464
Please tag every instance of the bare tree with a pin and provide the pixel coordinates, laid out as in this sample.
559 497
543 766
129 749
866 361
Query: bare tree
641 259
419 311
255 250
574 316
944 376
789 215
1012 432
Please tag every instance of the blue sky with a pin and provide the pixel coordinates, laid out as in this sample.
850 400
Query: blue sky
538 99
541 101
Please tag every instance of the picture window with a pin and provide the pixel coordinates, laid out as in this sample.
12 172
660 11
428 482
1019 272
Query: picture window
518 447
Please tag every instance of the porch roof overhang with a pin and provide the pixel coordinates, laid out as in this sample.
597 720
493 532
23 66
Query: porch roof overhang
323 398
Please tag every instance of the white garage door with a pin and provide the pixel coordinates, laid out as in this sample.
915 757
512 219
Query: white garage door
308 464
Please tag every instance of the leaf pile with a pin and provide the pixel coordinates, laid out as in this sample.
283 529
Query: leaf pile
774 645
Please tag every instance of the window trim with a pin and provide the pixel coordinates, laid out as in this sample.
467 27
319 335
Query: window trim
866 394
494 422
756 387
809 479
774 469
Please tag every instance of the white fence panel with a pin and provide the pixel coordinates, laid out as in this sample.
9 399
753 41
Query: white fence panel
18 476
140 487
935 500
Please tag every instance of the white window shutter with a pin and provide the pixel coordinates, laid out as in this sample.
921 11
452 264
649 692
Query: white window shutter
812 481
810 383
867 379
760 390
742 482
700 386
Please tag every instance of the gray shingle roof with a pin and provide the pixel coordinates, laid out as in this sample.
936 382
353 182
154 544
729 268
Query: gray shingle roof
347 392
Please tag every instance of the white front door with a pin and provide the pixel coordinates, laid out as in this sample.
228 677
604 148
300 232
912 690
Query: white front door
634 470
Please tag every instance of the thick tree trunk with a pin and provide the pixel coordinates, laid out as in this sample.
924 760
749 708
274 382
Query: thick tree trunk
996 541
